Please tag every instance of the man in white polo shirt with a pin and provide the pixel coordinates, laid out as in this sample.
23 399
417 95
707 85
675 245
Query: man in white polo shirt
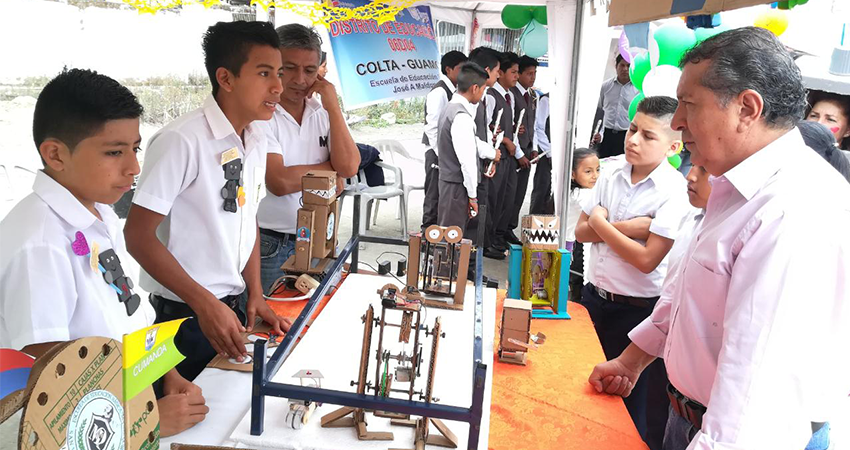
193 225
305 135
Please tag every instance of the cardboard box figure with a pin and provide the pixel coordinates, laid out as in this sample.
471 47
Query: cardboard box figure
317 226
539 269
515 338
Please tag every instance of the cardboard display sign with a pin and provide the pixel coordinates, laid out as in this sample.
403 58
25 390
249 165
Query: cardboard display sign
624 12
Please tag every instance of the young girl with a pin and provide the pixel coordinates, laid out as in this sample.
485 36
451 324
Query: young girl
584 175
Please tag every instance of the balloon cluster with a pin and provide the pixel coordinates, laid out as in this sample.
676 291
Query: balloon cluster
534 40
773 20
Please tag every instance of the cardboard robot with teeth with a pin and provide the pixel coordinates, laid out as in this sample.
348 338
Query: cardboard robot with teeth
539 270
317 226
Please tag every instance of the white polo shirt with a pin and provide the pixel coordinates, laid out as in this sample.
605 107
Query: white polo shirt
47 292
663 197
308 143
182 179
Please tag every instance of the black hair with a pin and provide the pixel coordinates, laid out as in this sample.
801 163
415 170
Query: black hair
525 62
485 57
659 107
579 155
470 74
227 44
752 58
323 58
450 60
295 35
618 59
843 102
77 104
821 140
507 60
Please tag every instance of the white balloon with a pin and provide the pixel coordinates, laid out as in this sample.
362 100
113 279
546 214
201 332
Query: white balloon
662 80
654 51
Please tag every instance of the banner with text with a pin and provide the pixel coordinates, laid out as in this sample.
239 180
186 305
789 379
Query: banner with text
394 60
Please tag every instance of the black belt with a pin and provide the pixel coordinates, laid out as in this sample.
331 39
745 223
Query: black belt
642 302
690 410
170 307
277 234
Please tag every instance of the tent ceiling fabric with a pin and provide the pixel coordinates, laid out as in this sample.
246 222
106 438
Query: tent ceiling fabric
636 11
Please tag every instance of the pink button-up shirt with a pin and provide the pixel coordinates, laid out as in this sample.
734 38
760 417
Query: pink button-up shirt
756 323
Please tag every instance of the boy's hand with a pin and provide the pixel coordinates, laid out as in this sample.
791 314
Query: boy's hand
257 306
498 156
523 163
179 412
511 147
599 213
597 138
473 207
522 129
636 228
222 328
174 383
533 156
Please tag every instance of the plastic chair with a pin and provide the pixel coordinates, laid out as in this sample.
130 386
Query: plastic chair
395 153
369 194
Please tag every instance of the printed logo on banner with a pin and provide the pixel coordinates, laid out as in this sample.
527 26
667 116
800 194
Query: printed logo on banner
150 338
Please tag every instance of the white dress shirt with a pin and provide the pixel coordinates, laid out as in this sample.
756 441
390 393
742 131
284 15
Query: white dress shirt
304 144
48 293
435 103
614 100
182 179
578 197
754 317
491 108
486 149
662 196
541 140
463 141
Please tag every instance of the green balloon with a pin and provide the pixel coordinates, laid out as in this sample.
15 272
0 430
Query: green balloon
516 16
633 106
704 33
639 68
540 14
675 161
673 41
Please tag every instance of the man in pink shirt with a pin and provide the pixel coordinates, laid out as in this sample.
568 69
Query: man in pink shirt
760 302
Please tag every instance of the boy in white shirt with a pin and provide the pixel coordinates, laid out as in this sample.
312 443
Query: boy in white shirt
456 137
625 273
86 130
193 225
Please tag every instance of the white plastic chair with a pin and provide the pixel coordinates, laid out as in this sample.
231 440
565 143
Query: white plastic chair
369 194
395 153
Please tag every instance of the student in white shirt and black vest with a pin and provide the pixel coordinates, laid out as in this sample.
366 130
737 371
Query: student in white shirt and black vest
628 260
304 135
86 130
459 170
501 99
193 226
750 327
435 104
542 201
526 100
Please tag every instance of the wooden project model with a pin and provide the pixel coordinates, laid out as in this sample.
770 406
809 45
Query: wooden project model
315 236
396 367
515 338
438 266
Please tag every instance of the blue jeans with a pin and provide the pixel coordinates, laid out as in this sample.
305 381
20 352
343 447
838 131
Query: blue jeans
274 251
680 432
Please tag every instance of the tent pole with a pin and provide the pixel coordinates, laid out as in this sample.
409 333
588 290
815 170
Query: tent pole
566 175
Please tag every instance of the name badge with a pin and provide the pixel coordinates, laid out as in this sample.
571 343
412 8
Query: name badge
229 155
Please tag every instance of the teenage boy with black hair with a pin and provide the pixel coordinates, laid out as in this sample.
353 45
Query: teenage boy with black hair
193 225
628 259
435 104
501 99
459 166
86 130
541 191
526 100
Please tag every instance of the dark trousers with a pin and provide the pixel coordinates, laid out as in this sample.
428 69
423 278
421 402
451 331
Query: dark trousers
432 189
472 226
190 340
542 201
577 266
613 143
496 200
503 210
454 205
519 196
648 403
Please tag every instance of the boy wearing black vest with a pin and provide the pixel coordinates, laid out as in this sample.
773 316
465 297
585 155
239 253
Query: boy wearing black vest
435 103
526 100
541 192
458 143
500 98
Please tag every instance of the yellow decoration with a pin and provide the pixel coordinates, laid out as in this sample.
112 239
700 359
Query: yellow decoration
325 14
240 197
773 20
152 6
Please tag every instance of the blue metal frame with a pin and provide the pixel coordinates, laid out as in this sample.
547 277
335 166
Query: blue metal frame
262 386
515 283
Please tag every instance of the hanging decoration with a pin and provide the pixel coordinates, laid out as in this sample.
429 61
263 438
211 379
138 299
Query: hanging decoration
153 6
534 40
773 20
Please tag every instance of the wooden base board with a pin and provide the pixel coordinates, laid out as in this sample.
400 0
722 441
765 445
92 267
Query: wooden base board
431 303
518 358
338 419
316 267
